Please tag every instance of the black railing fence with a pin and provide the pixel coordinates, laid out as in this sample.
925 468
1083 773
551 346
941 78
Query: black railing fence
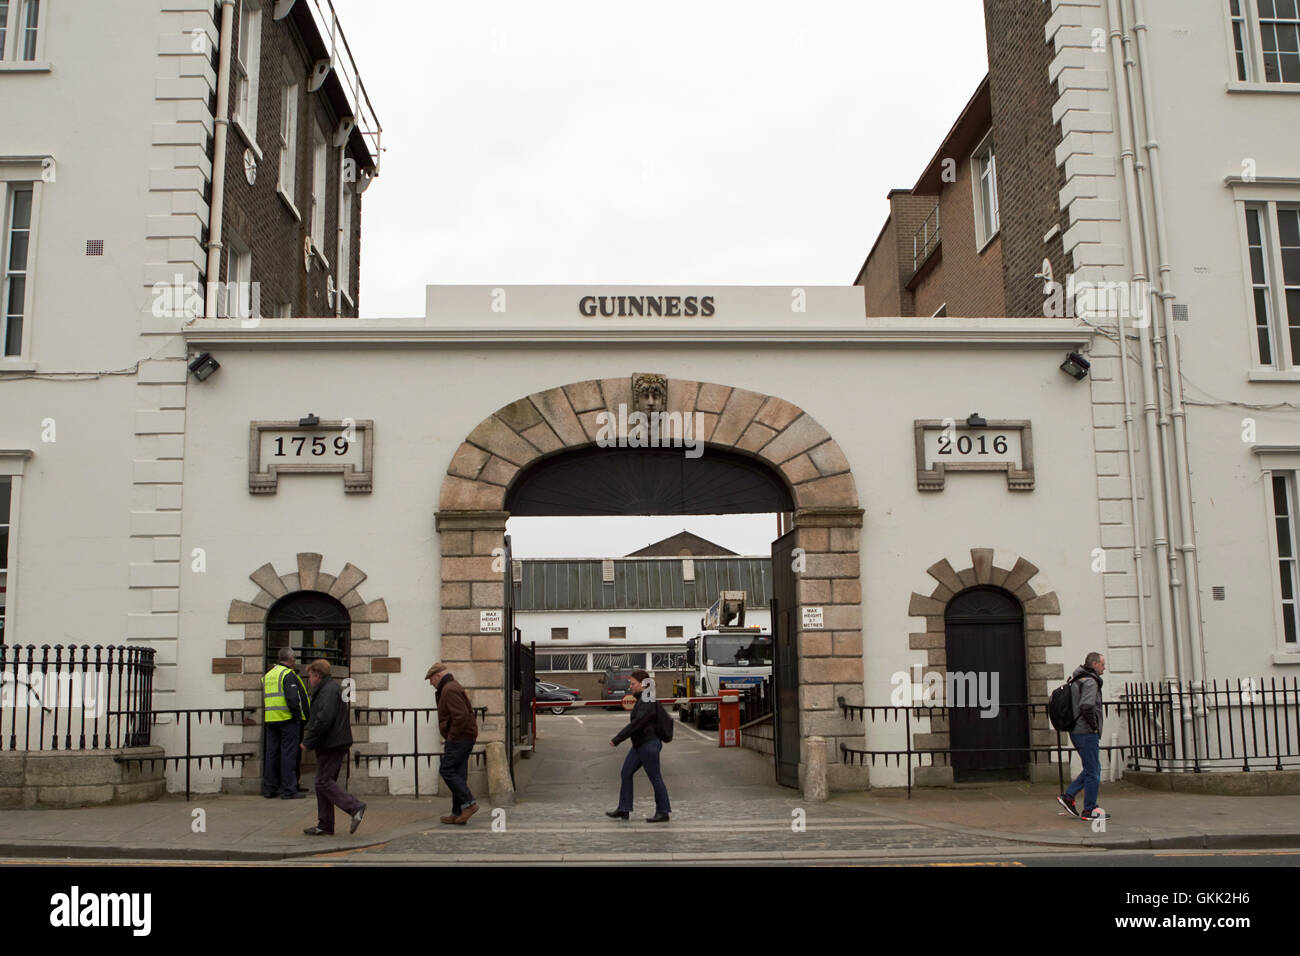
384 716
75 696
1235 724
188 716
756 702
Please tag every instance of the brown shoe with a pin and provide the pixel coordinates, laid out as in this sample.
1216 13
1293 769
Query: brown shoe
449 819
469 812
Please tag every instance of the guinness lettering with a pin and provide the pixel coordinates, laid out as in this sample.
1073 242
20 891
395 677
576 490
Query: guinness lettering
610 306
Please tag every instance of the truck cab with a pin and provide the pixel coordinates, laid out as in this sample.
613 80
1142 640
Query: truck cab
725 653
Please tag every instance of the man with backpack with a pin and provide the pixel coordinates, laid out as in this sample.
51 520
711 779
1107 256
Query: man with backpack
650 727
1084 689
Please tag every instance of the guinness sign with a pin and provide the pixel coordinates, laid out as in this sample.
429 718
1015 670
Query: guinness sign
634 305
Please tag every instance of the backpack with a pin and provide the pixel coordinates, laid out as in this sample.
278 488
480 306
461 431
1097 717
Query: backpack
1060 708
663 723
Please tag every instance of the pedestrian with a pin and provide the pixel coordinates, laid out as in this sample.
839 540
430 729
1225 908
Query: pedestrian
646 745
285 704
1085 695
330 735
459 731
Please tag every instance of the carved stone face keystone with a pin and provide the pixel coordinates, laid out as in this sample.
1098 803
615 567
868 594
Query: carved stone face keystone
650 392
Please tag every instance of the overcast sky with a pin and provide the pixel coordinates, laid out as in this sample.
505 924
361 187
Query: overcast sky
573 142
700 143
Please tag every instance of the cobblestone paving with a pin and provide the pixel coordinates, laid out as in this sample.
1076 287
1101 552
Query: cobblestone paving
724 802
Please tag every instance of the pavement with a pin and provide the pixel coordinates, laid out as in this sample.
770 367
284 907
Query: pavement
726 809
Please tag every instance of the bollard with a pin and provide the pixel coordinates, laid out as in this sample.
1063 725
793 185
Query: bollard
815 788
729 718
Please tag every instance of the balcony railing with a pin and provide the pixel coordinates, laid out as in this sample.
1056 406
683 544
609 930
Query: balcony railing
344 65
925 240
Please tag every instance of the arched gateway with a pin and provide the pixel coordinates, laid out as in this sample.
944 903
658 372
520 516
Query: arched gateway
764 449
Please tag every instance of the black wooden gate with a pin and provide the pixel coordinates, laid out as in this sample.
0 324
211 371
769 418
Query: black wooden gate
984 634
785 660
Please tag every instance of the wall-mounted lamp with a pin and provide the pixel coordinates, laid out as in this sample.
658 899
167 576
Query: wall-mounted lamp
204 365
1076 366
974 421
308 421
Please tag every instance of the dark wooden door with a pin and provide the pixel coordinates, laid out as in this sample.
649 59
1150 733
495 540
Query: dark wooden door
985 636
785 660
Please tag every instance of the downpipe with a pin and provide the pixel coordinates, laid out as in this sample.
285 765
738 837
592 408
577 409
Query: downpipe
221 124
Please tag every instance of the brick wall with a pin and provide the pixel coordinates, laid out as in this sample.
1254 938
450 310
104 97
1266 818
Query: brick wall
258 214
879 276
969 279
1026 136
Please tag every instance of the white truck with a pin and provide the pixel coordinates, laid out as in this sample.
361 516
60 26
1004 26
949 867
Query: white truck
725 653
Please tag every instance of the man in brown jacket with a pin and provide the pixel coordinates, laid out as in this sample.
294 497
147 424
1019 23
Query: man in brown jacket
459 731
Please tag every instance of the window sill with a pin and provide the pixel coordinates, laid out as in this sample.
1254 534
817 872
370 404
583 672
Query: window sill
288 202
1273 375
316 251
1286 657
980 247
16 364
25 66
238 124
345 295
1237 86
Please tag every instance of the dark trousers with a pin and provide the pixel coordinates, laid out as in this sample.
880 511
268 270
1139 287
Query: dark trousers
1089 747
647 756
280 762
328 792
454 768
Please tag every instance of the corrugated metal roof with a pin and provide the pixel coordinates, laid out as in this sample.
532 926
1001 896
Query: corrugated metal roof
641 584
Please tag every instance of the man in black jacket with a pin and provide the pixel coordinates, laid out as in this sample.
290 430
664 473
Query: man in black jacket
646 746
330 735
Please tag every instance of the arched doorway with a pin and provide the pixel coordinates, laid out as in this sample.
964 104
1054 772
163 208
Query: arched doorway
756 447
984 637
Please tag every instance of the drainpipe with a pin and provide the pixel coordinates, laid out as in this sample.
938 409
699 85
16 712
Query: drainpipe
222 124
1161 538
1178 411
338 248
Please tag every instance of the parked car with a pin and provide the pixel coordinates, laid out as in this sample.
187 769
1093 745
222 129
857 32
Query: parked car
542 694
616 684
577 694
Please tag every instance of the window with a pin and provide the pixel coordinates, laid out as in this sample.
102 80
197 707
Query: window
1273 249
283 311
6 487
245 65
288 136
1284 522
617 633
1266 40
239 278
313 624
602 662
985 182
562 662
320 155
559 633
17 240
20 30
674 630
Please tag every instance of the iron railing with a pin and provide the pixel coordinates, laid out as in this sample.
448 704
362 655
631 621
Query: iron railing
75 696
757 702
382 716
918 757
925 239
242 715
1234 724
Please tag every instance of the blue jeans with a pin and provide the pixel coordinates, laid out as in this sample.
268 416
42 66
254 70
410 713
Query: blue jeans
280 764
454 768
647 756
1089 747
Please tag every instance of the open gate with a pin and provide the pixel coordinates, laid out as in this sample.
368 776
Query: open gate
785 660
520 670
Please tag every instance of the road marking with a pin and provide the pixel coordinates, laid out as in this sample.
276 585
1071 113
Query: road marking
697 733
577 718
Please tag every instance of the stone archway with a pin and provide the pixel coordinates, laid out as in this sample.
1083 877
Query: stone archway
245 658
471 523
1028 585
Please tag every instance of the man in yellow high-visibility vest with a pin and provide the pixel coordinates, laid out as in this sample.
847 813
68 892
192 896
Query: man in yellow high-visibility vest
285 705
